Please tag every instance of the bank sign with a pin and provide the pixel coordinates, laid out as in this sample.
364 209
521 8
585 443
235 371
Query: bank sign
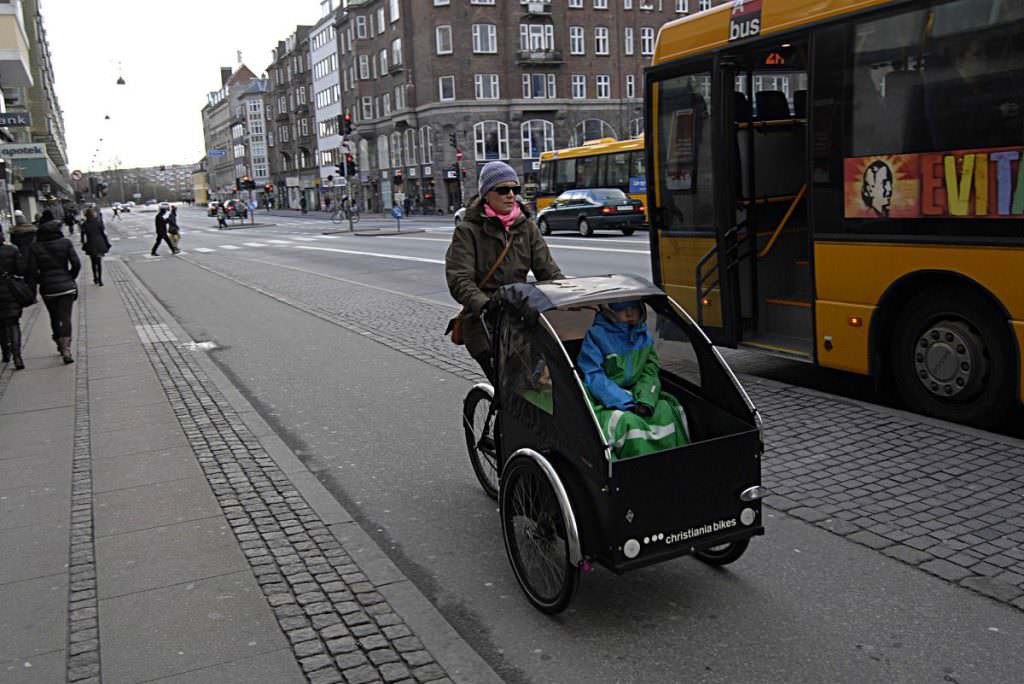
22 150
15 118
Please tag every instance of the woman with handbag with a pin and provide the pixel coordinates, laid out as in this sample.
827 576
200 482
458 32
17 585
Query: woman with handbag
495 244
95 243
11 302
53 264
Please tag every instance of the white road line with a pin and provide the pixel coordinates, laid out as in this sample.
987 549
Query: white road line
328 237
305 239
229 247
280 242
557 246
203 250
400 257
254 244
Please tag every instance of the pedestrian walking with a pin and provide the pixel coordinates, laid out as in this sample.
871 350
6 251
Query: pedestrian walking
53 265
495 244
173 232
222 217
161 233
95 244
11 266
117 212
302 203
23 233
69 217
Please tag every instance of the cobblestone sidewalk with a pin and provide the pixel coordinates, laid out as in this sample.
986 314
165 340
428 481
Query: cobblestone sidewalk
934 495
340 626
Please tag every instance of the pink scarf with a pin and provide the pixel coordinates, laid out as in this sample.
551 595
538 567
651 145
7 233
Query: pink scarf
506 219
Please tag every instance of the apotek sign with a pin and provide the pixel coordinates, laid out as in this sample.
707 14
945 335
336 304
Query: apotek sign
22 150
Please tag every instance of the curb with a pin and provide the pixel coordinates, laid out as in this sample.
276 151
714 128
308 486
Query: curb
444 643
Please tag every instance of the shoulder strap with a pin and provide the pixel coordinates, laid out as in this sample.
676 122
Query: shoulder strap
501 257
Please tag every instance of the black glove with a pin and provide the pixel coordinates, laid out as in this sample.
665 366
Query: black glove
642 410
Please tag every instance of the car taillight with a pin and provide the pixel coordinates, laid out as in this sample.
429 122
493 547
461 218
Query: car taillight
607 210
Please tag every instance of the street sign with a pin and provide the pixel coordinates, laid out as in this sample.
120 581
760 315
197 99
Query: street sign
16 119
396 211
216 153
76 175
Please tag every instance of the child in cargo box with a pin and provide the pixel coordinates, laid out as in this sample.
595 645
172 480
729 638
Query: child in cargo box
620 369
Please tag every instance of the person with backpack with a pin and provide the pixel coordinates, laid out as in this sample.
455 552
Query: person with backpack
53 266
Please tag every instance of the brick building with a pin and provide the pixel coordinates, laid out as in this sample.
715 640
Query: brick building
224 131
508 79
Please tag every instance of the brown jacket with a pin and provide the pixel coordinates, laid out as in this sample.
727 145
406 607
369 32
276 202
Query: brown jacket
476 244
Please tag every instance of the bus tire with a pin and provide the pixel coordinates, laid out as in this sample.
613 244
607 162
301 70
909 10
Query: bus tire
628 231
545 229
585 229
952 358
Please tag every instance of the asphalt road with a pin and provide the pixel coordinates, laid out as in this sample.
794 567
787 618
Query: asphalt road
382 430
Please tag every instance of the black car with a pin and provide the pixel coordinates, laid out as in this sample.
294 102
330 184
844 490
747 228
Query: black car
588 210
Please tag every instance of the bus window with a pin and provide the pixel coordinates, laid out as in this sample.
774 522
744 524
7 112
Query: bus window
586 173
617 173
684 154
565 176
547 177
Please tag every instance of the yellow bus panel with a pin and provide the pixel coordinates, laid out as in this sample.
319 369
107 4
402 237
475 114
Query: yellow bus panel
847 346
679 257
1018 327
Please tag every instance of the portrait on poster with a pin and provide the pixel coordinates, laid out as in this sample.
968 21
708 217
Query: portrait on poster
681 150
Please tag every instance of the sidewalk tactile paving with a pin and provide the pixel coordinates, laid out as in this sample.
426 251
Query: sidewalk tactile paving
922 490
334 624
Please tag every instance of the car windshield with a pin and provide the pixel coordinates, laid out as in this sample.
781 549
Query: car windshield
608 195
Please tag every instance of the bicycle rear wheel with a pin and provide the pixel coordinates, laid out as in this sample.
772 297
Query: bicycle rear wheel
478 424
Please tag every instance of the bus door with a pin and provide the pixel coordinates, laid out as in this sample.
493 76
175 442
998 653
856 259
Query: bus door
690 229
764 125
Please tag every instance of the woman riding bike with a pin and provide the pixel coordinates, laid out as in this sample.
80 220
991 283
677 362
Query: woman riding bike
493 219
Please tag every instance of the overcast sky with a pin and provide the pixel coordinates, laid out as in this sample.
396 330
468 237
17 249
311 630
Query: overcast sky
170 55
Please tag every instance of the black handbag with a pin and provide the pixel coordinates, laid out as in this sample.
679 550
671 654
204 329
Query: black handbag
20 290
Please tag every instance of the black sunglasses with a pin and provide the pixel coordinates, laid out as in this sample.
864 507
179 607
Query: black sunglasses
514 189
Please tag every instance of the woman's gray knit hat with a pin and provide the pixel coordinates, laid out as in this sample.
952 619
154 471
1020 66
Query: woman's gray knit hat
493 173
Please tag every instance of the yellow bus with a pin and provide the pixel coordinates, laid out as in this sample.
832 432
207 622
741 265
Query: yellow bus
841 182
601 163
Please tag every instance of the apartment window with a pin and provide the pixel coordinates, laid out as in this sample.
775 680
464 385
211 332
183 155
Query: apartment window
410 147
282 134
367 104
647 4
380 21
579 87
360 27
446 88
536 37
383 57
538 86
481 2
604 86
443 39
282 104
591 129
394 10
441 3
364 67
627 40
576 4
427 145
682 6
399 97
304 127
301 95
600 40
636 127
491 140
486 86
396 149
538 136
600 4
646 41
485 38
704 5
630 85
396 51
386 104
577 44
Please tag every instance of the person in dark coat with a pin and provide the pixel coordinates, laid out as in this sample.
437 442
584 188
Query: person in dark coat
173 232
69 217
161 232
11 265
23 233
53 265
95 244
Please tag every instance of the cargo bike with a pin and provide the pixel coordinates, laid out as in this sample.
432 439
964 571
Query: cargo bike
565 500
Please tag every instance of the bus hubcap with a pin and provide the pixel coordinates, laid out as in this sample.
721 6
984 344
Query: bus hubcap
948 359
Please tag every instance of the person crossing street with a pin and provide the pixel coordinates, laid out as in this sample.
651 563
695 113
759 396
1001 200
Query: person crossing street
161 233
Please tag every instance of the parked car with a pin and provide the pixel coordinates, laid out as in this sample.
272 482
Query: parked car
588 210
212 208
460 213
235 208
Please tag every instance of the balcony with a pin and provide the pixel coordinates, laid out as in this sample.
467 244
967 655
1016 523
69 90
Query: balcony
539 57
537 9
15 69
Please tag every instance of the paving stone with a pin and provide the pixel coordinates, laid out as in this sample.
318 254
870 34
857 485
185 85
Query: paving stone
350 660
993 588
393 672
409 643
314 663
945 570
361 675
870 539
341 645
328 675
427 673
906 554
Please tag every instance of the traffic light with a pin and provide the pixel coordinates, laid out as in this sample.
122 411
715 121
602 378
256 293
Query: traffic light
238 183
345 121
451 139
340 168
268 188
350 165
246 183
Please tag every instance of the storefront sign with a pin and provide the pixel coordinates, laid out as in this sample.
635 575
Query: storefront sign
427 172
411 172
216 153
982 183
745 21
292 181
451 174
16 119
22 150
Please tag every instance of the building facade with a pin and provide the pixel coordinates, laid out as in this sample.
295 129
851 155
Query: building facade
291 139
253 102
500 80
172 183
326 97
224 131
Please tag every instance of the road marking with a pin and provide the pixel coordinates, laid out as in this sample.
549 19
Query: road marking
203 250
229 247
254 244
280 242
399 257
328 237
305 239
556 246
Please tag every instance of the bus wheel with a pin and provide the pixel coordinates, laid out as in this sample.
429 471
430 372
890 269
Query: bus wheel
952 358
627 231
585 229
545 229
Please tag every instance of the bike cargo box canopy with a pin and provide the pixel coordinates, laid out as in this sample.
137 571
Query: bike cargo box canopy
528 299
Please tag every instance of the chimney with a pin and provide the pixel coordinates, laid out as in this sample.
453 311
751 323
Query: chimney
225 74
